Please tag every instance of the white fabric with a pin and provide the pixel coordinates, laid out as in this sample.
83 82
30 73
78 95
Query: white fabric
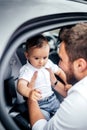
43 79
72 114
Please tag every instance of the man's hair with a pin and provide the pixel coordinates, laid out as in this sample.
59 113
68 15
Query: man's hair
75 39
36 41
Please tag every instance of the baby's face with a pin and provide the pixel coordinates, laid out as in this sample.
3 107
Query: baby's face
38 56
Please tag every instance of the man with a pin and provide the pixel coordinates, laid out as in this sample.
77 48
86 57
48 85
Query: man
72 114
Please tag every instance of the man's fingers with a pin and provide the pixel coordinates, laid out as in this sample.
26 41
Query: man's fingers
35 95
49 69
33 79
34 76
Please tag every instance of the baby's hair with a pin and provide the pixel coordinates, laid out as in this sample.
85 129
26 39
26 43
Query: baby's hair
36 41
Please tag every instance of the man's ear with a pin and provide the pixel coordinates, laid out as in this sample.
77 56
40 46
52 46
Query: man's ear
80 64
26 55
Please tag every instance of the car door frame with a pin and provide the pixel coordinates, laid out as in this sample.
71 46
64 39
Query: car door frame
26 30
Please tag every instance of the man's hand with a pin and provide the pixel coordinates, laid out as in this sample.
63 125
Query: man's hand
35 113
31 84
35 95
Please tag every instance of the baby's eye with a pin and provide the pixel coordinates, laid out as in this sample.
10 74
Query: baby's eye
45 57
36 58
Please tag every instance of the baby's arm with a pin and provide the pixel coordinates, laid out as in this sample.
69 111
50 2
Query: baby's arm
24 87
57 85
62 75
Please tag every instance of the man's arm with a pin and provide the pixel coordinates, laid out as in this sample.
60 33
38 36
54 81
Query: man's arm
34 108
59 87
66 118
62 75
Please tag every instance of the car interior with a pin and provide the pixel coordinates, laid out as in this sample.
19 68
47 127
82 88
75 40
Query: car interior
17 107
15 30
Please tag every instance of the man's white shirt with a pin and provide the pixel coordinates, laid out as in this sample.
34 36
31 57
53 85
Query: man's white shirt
72 114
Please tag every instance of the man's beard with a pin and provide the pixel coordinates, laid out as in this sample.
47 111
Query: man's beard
71 78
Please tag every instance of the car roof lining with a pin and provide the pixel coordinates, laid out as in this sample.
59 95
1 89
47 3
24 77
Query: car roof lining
79 1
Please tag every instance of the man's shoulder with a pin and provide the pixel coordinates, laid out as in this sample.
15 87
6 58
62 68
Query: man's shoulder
80 87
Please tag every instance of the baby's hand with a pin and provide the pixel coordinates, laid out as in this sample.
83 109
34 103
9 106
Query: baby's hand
67 87
35 95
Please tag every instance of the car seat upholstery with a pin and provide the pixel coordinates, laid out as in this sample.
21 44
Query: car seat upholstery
17 108
20 53
54 57
15 66
9 86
